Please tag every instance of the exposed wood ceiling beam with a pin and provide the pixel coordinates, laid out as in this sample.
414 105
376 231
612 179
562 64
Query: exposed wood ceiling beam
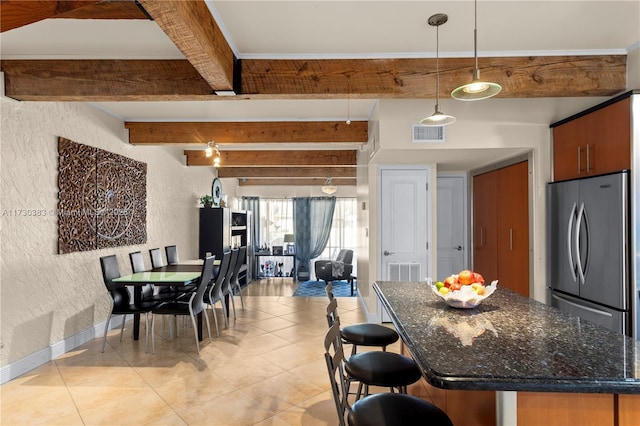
520 77
274 158
107 9
191 27
17 13
109 80
287 172
99 80
297 182
189 133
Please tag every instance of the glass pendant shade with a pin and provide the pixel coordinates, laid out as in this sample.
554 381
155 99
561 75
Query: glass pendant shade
329 188
437 119
477 89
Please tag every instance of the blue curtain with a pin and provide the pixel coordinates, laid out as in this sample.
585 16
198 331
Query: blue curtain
253 204
312 218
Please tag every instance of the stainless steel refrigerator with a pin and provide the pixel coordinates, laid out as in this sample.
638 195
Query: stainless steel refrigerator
588 234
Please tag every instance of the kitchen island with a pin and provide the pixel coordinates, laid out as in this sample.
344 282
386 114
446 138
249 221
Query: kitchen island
524 353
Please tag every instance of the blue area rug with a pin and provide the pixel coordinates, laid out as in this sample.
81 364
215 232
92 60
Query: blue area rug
316 289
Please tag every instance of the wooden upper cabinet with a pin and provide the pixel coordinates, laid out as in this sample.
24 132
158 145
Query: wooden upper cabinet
593 144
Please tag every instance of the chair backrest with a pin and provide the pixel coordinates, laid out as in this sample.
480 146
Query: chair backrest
197 303
345 256
334 357
137 262
137 265
110 270
332 312
172 254
156 258
226 285
215 293
242 257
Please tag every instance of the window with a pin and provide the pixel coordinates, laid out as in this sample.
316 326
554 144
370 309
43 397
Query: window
343 231
277 219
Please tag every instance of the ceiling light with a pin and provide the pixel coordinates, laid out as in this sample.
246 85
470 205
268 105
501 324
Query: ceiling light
329 188
209 151
477 89
211 148
437 118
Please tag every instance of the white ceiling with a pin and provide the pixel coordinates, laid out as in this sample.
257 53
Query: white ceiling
344 29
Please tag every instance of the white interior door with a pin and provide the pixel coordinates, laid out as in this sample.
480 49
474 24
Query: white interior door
452 249
404 253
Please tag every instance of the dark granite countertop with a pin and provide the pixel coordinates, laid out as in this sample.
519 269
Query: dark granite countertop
509 343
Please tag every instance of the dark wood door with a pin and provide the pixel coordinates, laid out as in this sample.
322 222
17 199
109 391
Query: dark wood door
485 225
513 228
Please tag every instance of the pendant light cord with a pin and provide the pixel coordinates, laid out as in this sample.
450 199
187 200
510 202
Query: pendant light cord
475 31
437 67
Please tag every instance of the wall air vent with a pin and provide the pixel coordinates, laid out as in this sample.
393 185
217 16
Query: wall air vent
427 134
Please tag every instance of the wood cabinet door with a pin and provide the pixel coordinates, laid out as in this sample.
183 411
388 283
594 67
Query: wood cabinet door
594 144
608 141
569 158
513 228
485 217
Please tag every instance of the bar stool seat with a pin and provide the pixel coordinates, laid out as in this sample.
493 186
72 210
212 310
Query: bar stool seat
392 409
386 369
369 334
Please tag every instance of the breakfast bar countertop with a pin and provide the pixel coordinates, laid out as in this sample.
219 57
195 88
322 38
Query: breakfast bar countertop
509 343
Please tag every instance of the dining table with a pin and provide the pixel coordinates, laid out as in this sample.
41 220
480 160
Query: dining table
138 280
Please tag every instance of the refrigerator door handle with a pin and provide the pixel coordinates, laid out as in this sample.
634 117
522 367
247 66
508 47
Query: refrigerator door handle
572 265
586 308
577 244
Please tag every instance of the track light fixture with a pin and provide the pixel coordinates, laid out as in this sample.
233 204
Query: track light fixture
211 148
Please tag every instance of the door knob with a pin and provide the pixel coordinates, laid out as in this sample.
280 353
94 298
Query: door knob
459 248
387 252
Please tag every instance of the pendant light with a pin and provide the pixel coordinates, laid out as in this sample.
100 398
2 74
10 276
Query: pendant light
477 89
437 118
329 188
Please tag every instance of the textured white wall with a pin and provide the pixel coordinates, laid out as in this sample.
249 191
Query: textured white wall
47 297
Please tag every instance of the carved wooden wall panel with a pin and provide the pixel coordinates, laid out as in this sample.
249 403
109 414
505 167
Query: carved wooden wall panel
102 199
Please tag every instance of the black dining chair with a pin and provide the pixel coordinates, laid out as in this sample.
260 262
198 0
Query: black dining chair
382 409
156 258
121 299
226 284
235 280
192 307
214 293
172 254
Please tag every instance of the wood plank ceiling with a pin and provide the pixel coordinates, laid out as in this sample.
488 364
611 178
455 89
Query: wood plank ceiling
211 70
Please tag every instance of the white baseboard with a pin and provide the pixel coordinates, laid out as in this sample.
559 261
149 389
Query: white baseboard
43 356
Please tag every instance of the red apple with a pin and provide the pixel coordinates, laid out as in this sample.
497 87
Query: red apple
466 277
450 280
477 278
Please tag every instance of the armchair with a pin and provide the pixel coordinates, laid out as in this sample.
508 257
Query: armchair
334 270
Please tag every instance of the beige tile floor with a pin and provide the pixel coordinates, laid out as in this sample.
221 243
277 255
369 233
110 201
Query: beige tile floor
267 368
